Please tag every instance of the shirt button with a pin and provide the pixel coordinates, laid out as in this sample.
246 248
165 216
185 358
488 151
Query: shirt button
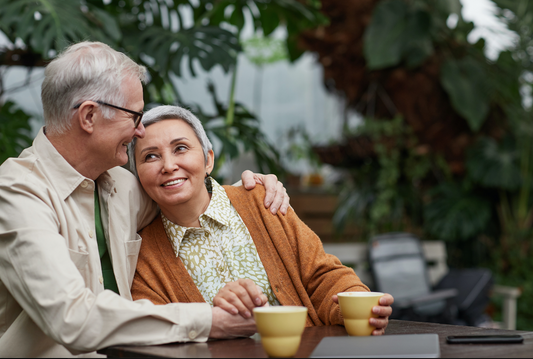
192 334
91 233
101 280
84 184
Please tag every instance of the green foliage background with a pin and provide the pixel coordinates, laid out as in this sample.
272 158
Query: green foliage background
485 213
165 36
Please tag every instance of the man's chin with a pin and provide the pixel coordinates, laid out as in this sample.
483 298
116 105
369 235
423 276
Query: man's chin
121 161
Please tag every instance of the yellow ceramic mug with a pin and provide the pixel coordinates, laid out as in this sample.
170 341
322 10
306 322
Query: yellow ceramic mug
281 329
356 309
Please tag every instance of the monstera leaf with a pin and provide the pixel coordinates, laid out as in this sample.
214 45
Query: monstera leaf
466 84
160 35
53 24
398 32
209 45
494 164
267 16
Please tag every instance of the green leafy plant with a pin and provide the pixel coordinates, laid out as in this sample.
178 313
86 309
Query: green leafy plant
465 81
53 24
495 165
266 16
457 212
300 147
162 36
384 193
262 50
14 131
398 32
413 60
407 33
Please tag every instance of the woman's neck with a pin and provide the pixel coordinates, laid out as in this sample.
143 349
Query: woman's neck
188 214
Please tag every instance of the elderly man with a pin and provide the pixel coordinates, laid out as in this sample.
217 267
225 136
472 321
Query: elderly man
69 219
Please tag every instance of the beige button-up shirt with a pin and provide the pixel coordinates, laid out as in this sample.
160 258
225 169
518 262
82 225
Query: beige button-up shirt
52 300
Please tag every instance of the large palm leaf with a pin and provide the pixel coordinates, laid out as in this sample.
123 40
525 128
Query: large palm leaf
45 25
209 45
266 15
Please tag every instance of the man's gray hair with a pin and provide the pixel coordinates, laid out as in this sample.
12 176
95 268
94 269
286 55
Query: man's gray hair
85 71
161 113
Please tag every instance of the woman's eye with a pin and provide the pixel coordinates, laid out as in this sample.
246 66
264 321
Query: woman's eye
150 157
181 148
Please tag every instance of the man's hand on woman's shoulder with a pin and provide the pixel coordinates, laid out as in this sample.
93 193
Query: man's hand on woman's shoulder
276 194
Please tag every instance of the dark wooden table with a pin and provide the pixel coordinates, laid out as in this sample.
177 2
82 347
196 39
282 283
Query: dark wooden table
251 348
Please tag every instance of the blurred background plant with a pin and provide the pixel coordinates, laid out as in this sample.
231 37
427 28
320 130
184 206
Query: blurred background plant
445 145
165 36
302 164
262 51
15 130
383 194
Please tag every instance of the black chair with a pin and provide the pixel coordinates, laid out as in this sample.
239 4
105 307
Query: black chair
473 294
398 266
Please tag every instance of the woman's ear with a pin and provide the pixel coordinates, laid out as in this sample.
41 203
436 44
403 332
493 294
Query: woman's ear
86 116
210 161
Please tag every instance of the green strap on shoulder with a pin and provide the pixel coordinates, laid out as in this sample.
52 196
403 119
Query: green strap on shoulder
110 281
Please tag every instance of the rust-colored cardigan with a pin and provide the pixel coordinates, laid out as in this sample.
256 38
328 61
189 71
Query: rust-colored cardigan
299 270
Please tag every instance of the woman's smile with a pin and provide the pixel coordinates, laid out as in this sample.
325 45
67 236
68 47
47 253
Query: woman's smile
174 183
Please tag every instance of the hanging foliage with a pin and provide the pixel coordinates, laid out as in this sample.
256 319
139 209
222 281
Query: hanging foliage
389 57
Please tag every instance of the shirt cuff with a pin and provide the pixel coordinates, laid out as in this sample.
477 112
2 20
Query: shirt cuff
195 322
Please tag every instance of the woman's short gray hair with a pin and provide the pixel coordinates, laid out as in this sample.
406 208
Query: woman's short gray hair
167 112
85 71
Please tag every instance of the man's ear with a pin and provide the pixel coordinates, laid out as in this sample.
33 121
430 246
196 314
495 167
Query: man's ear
210 161
86 116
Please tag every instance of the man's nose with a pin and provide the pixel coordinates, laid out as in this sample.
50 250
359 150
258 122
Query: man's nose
140 131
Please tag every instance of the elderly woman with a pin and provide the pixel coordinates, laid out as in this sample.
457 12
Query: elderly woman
219 244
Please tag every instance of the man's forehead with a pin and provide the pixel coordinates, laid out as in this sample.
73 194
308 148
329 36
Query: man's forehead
133 92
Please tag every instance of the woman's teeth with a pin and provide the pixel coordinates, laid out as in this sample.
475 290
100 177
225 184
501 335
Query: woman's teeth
173 182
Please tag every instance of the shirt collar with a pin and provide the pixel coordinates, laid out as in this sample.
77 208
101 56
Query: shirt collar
66 178
219 205
216 210
175 233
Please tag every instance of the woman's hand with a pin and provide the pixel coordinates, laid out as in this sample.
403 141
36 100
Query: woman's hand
383 310
240 297
276 195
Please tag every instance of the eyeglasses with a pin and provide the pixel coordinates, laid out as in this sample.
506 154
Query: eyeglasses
136 119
